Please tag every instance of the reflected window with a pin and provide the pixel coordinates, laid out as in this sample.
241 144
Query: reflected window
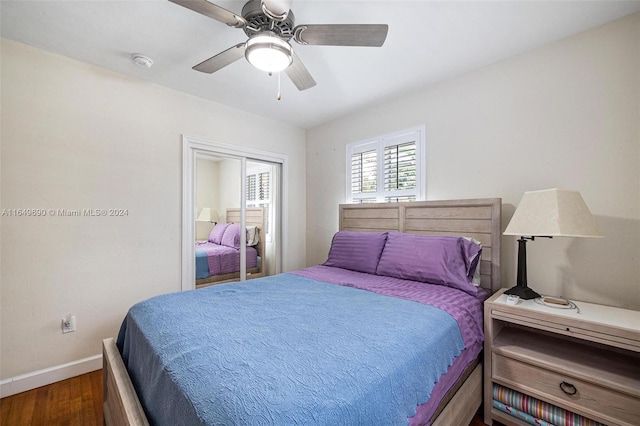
258 183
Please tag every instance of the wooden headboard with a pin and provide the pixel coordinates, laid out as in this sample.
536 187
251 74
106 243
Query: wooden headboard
254 216
478 219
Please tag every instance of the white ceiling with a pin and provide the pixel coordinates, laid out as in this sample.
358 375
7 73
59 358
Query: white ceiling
428 42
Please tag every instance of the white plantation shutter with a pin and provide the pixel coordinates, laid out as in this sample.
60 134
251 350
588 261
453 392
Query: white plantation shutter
264 195
388 169
251 187
263 186
364 172
259 194
400 166
364 200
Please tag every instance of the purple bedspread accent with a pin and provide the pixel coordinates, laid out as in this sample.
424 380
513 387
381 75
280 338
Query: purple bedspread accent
356 251
225 260
444 260
464 308
217 232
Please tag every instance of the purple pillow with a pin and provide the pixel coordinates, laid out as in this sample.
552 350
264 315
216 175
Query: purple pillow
356 251
216 233
231 237
449 261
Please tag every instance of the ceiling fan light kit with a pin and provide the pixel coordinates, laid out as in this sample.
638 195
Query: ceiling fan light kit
268 52
270 25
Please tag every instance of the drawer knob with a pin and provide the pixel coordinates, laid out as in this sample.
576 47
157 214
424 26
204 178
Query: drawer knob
568 388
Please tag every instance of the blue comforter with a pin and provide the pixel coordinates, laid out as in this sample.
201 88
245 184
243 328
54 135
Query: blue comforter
285 350
202 264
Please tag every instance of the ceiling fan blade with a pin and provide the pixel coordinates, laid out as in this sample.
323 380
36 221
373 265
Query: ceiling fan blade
213 11
372 35
299 74
278 10
221 60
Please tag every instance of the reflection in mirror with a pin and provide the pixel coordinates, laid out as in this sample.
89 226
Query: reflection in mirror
261 183
219 241
217 188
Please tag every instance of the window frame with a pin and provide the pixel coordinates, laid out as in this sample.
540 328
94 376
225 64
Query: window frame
379 144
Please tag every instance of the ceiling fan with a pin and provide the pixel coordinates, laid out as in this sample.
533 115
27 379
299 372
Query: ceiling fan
269 24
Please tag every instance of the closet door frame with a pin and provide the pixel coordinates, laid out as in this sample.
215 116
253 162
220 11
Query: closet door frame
191 147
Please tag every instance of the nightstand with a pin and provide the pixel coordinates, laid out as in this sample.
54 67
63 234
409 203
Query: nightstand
585 362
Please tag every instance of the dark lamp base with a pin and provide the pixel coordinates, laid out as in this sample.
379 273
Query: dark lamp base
522 292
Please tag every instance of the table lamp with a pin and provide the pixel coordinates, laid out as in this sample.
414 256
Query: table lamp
205 215
548 213
208 214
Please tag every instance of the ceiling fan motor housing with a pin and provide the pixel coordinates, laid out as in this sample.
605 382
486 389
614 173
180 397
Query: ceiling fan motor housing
258 22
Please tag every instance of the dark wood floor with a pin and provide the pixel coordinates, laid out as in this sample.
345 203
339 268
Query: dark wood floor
76 401
73 402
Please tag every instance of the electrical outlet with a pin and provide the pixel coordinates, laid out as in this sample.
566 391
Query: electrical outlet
68 324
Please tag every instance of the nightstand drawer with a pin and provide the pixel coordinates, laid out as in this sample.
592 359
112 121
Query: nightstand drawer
589 399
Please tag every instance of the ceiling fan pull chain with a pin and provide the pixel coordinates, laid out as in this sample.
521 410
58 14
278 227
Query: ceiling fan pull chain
279 94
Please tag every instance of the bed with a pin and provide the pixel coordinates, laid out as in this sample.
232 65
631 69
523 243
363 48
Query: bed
218 258
330 305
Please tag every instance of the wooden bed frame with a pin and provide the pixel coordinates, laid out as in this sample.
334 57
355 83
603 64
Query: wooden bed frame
254 217
479 219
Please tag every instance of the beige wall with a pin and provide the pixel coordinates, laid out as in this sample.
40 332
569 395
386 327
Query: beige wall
565 115
229 186
206 194
217 187
75 136
207 182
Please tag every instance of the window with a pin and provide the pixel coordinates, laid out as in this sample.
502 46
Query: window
389 168
259 195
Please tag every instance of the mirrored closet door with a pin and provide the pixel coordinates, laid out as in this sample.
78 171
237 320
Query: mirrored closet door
236 207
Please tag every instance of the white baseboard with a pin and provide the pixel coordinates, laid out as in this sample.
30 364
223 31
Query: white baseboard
25 382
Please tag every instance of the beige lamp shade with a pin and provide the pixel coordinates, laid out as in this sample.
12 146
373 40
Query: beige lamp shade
205 215
552 213
208 214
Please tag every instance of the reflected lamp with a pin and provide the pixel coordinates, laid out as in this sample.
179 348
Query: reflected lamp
208 214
